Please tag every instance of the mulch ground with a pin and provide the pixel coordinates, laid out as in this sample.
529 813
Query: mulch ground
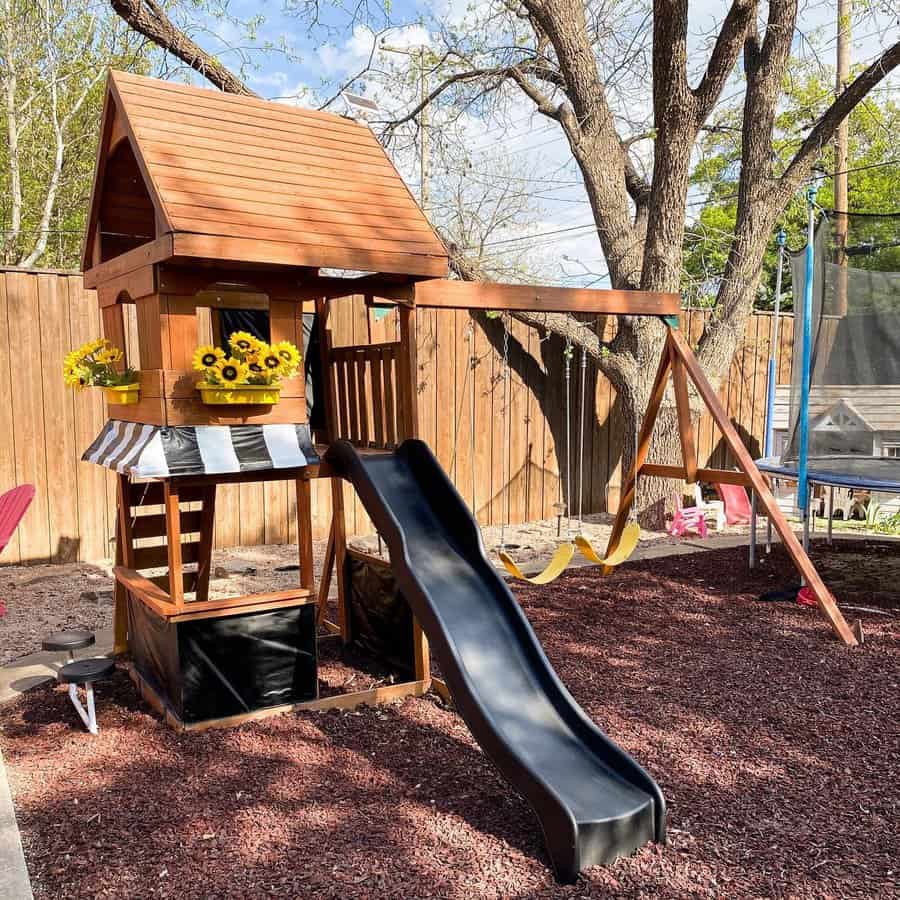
777 748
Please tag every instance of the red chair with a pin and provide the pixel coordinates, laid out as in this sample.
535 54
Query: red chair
737 503
686 518
13 505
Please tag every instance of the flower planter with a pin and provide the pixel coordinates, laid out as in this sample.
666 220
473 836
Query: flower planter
123 394
240 394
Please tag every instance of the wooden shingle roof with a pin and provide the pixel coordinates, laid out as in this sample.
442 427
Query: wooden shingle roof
240 179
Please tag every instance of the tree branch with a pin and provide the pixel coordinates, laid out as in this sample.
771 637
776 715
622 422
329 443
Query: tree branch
724 55
823 131
148 18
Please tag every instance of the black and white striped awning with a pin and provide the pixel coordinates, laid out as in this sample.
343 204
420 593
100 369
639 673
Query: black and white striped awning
151 451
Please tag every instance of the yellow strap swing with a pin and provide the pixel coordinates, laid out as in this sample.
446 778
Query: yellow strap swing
631 534
565 552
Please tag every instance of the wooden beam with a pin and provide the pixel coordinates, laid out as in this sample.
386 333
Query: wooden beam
445 294
339 528
228 249
683 410
325 579
759 484
136 284
371 697
144 589
229 606
643 446
152 252
712 476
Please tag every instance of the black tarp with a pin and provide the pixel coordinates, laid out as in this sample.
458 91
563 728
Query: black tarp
212 668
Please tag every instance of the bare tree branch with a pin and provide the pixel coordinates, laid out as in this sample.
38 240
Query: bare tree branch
149 19
724 55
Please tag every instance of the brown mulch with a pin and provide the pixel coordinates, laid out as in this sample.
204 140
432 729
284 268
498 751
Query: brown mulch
777 748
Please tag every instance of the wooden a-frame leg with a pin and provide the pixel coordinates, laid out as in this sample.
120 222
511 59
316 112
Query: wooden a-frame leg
683 411
643 447
760 486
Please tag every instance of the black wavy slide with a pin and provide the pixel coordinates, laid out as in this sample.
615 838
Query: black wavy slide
593 801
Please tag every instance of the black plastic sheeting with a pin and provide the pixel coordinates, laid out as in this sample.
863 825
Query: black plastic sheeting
381 622
212 668
256 322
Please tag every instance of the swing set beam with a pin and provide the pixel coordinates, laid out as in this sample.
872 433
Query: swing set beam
678 360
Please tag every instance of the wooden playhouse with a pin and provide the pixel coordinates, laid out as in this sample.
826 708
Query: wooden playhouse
206 208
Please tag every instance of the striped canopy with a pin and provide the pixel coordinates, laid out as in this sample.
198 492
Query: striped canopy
151 451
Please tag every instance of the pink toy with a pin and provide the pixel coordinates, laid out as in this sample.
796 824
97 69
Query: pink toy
689 518
737 503
13 505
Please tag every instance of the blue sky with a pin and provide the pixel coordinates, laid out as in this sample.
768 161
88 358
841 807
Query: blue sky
559 233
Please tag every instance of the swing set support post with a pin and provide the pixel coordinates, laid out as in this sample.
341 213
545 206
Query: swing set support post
678 357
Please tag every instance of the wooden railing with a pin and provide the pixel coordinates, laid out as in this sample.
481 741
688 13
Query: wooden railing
366 389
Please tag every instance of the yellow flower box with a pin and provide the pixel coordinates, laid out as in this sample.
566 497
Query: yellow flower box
240 394
123 394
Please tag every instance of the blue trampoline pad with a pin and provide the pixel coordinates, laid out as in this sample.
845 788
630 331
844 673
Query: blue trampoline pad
871 473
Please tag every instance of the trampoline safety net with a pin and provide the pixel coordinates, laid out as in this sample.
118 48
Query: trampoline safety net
854 400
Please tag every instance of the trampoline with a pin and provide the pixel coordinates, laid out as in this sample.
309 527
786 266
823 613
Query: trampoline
843 428
867 473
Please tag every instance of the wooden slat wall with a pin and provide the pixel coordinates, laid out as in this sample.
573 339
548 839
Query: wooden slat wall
44 426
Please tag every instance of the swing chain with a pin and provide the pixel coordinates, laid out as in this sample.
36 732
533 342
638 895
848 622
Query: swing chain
568 359
506 429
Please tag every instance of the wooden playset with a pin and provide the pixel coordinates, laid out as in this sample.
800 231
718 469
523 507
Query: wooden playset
205 203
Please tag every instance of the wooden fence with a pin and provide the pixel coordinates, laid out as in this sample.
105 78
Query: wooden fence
44 427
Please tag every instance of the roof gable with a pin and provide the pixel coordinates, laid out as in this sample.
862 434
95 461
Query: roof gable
842 416
245 179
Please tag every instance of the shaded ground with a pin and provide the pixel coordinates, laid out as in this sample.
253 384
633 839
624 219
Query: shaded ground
777 749
45 598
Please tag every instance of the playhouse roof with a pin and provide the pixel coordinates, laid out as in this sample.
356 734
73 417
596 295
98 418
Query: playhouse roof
239 179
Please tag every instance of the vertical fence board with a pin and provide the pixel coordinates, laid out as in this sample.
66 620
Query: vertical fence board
45 428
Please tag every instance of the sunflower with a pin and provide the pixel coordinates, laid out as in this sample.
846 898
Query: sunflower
290 356
206 357
109 356
76 376
272 363
244 342
231 370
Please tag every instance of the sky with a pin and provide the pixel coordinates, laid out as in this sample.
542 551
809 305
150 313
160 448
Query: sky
559 233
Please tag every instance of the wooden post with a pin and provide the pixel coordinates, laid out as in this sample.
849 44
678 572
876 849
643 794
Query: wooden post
407 388
304 533
173 541
339 530
759 484
408 393
124 557
204 551
331 420
421 654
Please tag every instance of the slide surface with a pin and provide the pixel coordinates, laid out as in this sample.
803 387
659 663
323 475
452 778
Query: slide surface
593 801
